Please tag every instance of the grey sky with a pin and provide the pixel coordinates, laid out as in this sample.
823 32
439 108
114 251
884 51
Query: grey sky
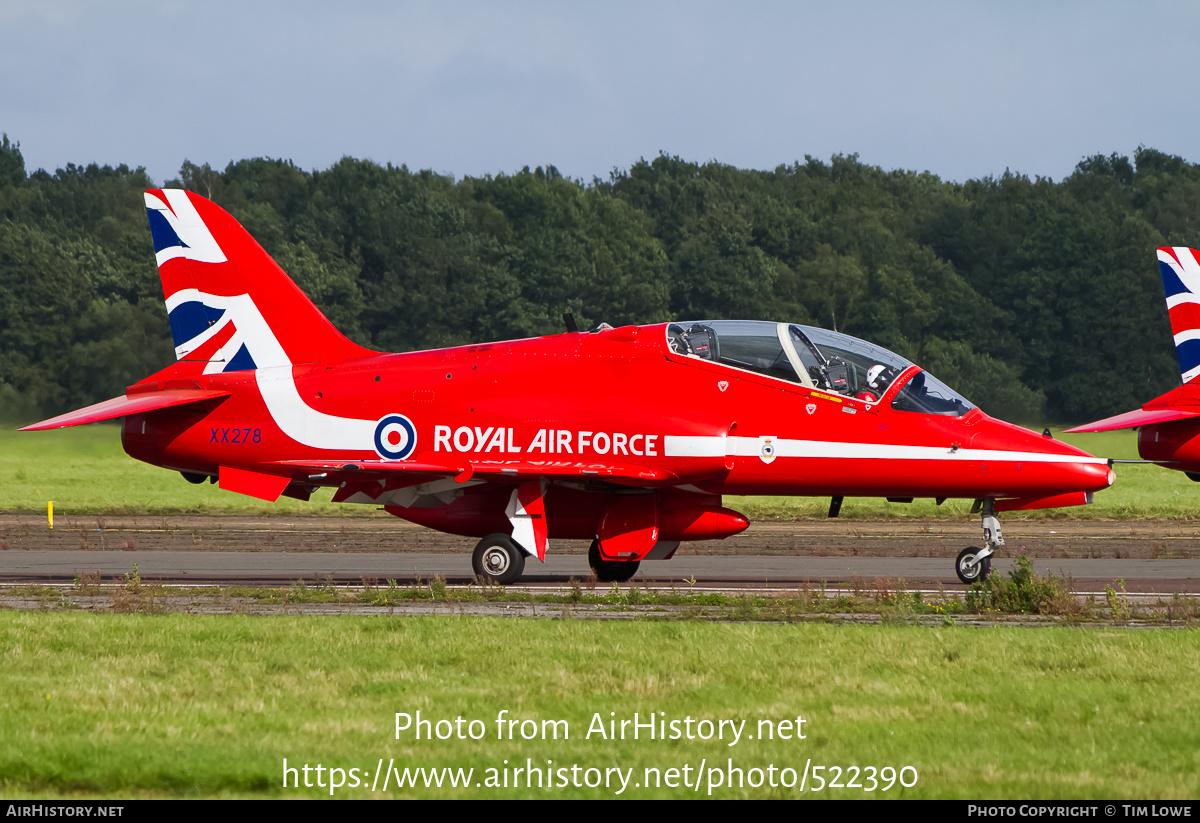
962 89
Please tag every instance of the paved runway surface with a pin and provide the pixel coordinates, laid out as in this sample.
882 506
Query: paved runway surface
280 568
1158 556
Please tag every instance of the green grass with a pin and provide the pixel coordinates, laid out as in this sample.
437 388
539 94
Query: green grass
85 471
210 706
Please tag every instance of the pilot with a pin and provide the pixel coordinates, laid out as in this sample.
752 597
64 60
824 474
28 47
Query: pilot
879 377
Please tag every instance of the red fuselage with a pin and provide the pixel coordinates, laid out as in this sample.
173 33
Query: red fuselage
618 397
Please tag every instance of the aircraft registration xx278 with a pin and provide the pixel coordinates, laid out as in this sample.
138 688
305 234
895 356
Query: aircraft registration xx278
625 436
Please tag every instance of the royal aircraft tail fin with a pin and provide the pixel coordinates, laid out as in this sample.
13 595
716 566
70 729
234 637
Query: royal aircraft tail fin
231 309
230 305
1180 267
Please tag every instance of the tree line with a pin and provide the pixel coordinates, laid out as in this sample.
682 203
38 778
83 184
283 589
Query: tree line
1037 300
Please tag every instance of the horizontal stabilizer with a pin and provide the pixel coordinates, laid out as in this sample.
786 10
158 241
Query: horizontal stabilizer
123 406
1133 419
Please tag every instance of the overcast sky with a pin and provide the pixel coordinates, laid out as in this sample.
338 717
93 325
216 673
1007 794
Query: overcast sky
961 89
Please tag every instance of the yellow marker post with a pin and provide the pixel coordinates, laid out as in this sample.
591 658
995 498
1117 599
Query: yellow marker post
50 513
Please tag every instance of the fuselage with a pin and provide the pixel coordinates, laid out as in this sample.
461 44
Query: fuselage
614 397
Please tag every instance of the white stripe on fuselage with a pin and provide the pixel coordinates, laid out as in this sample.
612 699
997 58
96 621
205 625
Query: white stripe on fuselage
752 447
307 425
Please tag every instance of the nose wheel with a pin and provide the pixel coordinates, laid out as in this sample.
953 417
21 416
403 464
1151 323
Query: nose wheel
975 565
970 568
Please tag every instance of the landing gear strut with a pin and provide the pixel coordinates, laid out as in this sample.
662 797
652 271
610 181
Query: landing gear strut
975 564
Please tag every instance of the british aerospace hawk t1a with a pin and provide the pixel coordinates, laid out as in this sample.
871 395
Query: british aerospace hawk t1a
628 437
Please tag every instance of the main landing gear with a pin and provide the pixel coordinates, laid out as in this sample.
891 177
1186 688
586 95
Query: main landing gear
610 571
497 558
974 564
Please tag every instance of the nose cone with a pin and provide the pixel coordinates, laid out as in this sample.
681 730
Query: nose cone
1040 466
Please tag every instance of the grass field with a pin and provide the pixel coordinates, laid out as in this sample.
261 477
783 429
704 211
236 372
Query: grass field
85 471
177 705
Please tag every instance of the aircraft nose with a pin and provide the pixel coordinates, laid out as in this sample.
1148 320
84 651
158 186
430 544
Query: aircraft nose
1078 469
1088 472
1094 476
1047 467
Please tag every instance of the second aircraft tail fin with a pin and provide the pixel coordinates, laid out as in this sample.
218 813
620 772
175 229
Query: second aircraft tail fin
1180 268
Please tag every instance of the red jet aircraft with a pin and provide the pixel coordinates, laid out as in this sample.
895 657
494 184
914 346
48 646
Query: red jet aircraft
1169 426
626 436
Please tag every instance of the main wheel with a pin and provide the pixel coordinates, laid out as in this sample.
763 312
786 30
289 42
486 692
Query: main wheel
610 571
968 569
498 559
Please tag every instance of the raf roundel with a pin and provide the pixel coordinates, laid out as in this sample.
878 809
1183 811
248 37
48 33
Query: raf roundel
395 437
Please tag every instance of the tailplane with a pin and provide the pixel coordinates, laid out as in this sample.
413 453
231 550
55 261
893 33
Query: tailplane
230 305
1180 267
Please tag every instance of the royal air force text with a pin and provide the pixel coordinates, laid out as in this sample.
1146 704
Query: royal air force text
502 440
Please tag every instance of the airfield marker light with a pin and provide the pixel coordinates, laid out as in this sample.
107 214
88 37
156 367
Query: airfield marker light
50 513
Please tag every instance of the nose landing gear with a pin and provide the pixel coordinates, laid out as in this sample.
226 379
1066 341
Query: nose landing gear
970 567
974 564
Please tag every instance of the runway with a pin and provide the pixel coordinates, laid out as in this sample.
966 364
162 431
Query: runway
284 568
1149 556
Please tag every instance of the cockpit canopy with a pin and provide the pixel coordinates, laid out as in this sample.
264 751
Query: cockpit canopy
816 358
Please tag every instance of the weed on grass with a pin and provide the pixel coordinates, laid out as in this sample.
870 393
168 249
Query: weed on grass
1118 603
1021 592
437 588
87 583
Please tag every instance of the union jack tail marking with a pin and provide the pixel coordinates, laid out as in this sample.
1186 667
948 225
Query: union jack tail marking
231 307
1180 267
